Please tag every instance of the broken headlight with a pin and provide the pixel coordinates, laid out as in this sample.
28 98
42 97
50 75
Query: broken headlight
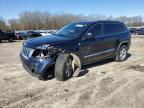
46 51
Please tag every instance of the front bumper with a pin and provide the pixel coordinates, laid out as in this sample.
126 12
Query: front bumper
36 67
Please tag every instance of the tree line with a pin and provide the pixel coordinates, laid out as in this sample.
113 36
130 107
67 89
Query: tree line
44 20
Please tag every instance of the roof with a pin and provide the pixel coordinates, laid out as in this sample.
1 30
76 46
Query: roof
101 21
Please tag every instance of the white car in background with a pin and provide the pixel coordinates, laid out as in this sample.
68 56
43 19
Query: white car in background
45 33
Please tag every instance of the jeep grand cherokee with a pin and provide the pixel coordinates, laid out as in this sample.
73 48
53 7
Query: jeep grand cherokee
76 44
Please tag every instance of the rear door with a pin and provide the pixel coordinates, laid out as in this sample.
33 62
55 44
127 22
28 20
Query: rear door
110 38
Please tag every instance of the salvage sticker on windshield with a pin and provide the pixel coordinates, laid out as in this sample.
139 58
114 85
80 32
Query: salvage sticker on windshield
80 25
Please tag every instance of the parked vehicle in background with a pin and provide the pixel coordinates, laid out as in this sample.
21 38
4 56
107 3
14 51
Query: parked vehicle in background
31 34
21 35
137 31
73 46
140 31
133 30
10 36
45 33
142 28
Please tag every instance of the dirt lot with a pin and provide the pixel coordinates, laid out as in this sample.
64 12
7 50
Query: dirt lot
106 84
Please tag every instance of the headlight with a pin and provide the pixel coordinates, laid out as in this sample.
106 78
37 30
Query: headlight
27 52
52 50
45 51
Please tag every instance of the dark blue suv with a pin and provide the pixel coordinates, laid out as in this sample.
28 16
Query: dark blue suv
76 44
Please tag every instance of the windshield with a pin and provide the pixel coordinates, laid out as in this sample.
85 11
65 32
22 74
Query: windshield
72 30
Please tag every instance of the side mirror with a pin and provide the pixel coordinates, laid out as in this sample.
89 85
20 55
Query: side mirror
89 36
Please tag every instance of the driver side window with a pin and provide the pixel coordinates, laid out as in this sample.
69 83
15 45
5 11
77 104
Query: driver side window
96 30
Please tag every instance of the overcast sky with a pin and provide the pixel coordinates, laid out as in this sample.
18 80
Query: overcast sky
11 8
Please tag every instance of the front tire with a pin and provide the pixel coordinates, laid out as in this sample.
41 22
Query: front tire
63 67
121 54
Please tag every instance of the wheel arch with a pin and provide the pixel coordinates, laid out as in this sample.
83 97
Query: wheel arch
122 43
76 65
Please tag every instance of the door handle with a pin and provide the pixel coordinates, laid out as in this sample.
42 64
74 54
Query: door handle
79 44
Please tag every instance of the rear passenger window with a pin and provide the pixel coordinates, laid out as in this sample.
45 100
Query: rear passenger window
113 28
96 30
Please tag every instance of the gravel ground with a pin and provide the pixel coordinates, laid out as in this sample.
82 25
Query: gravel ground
106 84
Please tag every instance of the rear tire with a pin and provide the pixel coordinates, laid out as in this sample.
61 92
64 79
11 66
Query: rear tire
121 54
63 67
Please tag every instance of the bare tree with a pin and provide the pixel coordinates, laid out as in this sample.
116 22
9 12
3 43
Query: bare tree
2 24
14 24
44 20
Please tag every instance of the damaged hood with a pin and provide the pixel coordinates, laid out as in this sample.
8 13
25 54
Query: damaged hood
46 40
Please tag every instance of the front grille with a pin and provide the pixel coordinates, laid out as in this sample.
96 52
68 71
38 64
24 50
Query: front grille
27 52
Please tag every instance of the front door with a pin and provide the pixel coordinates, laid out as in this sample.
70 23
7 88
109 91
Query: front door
90 47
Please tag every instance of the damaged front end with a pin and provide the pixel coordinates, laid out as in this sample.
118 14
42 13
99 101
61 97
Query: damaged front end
39 61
